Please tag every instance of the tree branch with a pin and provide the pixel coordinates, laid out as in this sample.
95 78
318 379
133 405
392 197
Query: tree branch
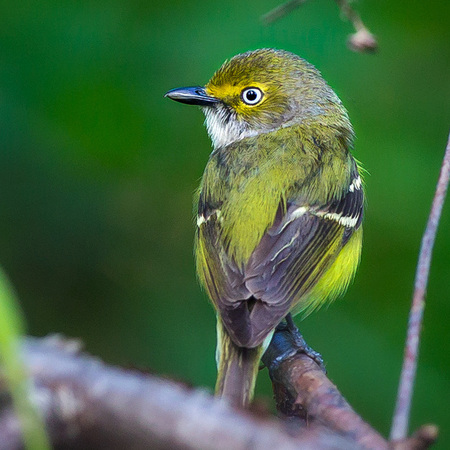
87 404
302 390
302 386
403 406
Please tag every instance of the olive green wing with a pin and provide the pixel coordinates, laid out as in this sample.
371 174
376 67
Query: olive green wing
291 259
292 256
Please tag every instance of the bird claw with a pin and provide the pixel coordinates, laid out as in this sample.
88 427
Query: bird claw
297 344
303 347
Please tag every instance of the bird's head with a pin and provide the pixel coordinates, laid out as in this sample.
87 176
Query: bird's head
260 91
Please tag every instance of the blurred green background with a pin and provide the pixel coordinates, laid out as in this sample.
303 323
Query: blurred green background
97 172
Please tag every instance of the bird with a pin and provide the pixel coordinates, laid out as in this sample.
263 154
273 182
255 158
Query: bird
279 207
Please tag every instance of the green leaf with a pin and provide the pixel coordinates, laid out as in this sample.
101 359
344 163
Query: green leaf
11 330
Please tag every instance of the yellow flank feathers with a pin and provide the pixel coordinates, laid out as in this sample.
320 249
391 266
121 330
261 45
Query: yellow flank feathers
336 279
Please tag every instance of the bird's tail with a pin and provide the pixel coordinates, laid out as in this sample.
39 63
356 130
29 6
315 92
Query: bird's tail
237 368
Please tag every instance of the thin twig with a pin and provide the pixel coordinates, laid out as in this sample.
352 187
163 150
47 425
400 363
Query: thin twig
421 439
351 14
360 41
403 406
281 11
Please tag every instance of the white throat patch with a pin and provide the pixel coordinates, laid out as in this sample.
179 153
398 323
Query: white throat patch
223 127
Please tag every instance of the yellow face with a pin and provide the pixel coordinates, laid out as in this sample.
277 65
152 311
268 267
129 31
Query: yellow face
243 97
261 91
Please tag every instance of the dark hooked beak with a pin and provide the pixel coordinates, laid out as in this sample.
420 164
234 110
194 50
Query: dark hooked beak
195 95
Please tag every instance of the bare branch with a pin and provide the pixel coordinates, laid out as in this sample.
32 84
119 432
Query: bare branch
403 406
312 394
360 41
303 392
87 404
281 11
423 438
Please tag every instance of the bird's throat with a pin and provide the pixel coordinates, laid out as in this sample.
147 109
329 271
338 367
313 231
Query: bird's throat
224 127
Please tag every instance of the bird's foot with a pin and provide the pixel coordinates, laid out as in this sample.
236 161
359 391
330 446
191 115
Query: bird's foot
302 346
286 342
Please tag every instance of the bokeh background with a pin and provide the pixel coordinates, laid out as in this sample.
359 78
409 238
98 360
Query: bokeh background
97 172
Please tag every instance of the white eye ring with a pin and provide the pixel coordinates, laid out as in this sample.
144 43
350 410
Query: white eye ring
251 95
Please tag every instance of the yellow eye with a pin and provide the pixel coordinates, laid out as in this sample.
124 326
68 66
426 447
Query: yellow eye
251 96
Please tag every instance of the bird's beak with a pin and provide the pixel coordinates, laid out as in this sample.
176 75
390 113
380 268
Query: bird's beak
195 95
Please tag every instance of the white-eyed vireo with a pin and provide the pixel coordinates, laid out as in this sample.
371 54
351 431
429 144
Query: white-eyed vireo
280 204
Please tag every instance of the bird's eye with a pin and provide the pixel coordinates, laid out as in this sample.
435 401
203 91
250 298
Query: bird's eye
251 96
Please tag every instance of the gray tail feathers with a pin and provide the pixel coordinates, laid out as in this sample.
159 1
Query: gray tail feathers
237 369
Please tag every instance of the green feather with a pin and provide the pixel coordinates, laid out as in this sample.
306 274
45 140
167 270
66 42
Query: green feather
251 177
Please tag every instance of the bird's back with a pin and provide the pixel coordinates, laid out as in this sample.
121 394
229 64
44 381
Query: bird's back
248 245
